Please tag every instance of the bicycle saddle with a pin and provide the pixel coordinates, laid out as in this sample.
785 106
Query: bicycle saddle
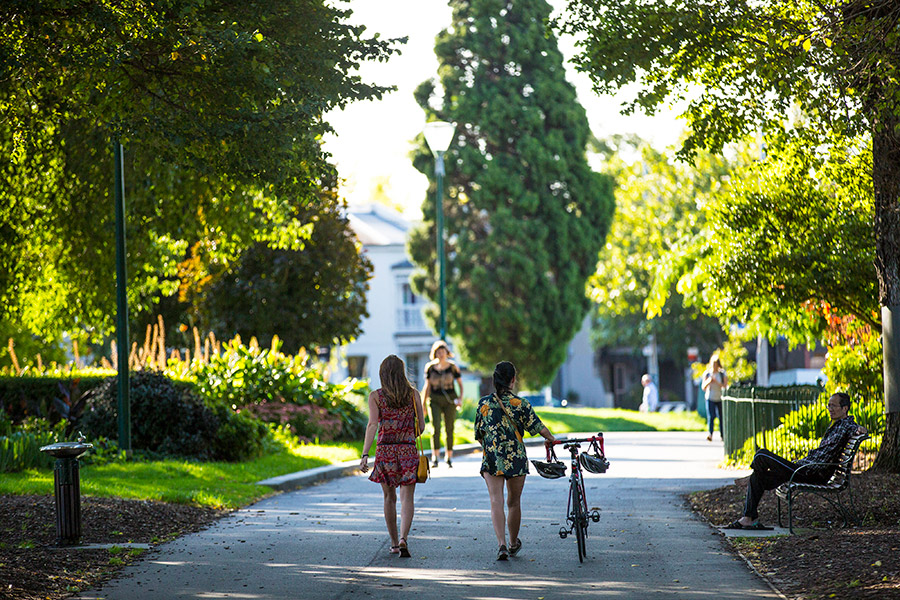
594 463
550 470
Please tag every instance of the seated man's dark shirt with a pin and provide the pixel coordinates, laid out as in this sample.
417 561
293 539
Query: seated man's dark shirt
830 448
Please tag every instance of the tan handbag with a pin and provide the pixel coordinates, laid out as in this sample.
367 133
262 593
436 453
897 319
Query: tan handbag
424 468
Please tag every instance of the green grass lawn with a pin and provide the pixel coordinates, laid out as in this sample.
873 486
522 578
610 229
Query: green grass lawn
216 484
230 485
591 420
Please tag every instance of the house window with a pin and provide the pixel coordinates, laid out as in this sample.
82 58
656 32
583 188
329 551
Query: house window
409 315
414 368
357 366
409 297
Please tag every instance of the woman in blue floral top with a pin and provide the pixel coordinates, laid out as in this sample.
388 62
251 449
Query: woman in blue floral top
501 420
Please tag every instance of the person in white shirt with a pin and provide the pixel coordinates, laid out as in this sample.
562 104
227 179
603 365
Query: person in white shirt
713 382
650 402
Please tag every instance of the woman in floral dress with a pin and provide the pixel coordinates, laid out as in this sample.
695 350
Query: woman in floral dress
393 411
501 420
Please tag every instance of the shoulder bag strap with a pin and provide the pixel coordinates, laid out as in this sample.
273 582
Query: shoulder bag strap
419 443
512 422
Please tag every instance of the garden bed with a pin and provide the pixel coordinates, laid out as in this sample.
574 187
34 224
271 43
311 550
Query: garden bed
824 560
31 569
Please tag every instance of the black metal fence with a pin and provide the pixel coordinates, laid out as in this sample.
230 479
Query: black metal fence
789 421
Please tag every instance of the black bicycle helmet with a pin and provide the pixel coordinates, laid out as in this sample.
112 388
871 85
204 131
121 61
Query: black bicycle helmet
594 463
550 470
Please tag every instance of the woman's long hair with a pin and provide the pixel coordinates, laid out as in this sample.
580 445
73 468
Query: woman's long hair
504 373
395 387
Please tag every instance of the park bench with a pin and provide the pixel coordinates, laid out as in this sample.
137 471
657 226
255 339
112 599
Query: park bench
832 491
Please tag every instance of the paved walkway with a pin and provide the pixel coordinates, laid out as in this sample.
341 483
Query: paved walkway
329 542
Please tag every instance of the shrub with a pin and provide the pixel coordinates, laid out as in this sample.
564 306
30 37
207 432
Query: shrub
239 436
264 382
307 422
21 450
168 418
33 396
20 446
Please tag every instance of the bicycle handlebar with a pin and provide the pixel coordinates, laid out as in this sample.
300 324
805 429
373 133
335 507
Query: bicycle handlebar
595 440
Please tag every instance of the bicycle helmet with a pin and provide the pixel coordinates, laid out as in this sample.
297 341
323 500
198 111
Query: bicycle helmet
550 470
594 463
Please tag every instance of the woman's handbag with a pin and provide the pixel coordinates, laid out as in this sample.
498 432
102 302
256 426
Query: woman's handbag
424 468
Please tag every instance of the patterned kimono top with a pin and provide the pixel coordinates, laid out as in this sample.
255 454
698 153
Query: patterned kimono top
504 454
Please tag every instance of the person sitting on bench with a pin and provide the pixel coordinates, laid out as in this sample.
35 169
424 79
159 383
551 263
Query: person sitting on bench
771 470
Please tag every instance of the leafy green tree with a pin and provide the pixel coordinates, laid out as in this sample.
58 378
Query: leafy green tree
226 87
308 297
788 242
220 108
658 209
741 65
526 216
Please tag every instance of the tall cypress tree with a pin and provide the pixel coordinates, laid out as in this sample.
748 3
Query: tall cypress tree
525 217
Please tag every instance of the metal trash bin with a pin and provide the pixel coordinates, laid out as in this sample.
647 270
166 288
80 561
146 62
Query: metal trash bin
67 490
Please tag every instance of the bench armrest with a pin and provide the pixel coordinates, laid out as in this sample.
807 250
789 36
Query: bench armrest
812 464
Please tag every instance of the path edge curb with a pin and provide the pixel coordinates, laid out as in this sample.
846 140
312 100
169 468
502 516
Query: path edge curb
300 479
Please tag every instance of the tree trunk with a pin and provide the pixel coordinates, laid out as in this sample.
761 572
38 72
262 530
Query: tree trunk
886 180
888 459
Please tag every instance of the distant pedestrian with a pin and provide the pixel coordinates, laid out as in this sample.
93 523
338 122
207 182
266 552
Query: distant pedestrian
501 420
714 380
650 399
441 378
395 410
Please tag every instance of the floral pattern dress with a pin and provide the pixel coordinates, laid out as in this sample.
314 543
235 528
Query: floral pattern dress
504 454
396 457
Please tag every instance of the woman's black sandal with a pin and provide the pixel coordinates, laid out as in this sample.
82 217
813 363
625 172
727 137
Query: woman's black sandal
404 549
514 548
502 553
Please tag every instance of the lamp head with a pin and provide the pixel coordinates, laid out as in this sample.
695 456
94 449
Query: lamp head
438 135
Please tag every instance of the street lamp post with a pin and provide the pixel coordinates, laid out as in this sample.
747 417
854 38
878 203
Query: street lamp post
438 135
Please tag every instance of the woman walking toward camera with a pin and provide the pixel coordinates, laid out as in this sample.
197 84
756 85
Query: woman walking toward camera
713 382
396 414
501 420
441 378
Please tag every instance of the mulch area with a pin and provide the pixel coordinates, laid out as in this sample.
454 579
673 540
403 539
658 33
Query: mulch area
824 560
31 568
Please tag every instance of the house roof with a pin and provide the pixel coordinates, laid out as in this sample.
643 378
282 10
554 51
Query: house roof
377 225
403 264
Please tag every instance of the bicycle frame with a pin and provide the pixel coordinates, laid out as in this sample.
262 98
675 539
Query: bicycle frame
577 514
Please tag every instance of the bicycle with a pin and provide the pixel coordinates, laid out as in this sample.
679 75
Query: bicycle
577 515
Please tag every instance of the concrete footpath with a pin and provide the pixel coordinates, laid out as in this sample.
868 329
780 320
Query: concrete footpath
328 541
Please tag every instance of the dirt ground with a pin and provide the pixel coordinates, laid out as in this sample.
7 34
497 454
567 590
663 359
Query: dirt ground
31 568
825 560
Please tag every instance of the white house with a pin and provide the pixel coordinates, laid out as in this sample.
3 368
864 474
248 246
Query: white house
396 325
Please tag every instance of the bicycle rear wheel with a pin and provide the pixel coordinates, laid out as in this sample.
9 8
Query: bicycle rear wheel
580 522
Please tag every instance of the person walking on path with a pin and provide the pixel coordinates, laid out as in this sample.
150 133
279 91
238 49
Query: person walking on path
771 470
650 399
713 382
396 414
500 421
441 378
